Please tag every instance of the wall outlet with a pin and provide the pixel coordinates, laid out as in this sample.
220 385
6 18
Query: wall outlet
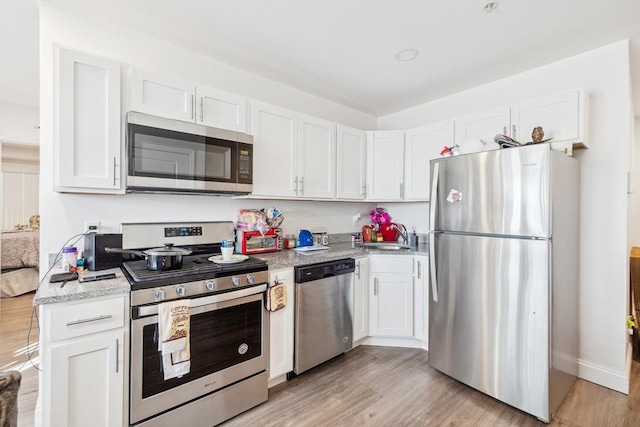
92 226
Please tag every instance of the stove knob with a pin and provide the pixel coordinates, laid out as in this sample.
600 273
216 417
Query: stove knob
235 281
160 293
250 279
181 290
210 285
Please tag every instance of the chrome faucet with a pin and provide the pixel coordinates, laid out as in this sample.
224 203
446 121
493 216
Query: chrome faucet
403 232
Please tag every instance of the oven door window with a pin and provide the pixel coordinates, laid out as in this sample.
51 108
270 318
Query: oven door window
160 153
219 339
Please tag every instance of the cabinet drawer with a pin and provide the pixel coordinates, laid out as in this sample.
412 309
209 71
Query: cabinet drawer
395 264
74 320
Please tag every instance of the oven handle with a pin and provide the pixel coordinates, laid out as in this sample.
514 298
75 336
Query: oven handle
152 310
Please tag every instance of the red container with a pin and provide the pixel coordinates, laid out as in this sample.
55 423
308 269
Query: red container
389 233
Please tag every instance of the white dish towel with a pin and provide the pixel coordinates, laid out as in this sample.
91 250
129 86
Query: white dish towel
173 325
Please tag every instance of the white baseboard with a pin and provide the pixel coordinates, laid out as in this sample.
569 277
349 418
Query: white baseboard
277 380
618 381
392 342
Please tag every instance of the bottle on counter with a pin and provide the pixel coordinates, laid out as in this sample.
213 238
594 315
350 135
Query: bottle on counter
69 259
289 241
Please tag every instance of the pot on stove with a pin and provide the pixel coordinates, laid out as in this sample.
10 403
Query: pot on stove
165 258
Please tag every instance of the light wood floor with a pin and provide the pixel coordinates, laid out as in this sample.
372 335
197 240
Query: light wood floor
384 386
15 315
369 386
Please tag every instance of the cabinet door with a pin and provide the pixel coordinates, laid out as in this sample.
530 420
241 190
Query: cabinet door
484 125
275 150
162 96
351 160
221 109
391 306
89 378
421 145
316 158
281 327
88 154
385 170
361 300
421 303
561 116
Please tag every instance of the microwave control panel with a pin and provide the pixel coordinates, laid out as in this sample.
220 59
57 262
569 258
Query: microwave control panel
245 163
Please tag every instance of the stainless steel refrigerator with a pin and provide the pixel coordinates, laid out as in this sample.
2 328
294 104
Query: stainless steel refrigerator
503 246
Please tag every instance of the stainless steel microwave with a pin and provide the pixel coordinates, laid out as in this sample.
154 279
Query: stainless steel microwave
170 156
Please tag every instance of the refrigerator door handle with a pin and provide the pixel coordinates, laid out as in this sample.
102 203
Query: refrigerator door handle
432 266
434 197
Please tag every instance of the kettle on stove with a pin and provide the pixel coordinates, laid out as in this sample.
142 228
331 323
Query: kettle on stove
305 238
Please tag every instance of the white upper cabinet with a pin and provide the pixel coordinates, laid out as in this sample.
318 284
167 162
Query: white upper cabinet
385 169
221 109
484 125
316 158
275 150
87 127
162 96
421 145
351 161
562 117
179 99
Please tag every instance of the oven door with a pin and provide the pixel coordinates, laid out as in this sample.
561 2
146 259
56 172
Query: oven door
229 336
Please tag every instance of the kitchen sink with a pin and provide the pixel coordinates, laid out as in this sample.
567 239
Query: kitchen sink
386 246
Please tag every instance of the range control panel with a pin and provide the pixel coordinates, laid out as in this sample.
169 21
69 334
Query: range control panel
182 231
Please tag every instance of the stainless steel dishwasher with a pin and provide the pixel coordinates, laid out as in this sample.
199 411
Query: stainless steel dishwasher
323 312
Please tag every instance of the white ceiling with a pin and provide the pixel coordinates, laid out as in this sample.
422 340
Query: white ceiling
344 50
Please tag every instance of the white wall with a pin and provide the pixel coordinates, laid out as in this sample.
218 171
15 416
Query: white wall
63 215
17 124
604 73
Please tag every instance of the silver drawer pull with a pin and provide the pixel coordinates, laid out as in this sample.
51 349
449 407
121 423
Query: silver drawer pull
93 319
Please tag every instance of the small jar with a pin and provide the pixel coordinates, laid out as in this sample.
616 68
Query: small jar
289 241
70 254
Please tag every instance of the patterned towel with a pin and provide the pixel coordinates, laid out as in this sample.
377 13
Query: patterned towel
173 324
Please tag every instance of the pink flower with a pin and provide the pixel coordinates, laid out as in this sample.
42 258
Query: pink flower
379 216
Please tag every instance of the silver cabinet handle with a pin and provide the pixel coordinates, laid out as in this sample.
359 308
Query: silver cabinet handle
295 181
192 105
202 109
302 186
504 130
401 191
92 319
114 171
358 269
419 269
117 357
375 286
513 130
364 190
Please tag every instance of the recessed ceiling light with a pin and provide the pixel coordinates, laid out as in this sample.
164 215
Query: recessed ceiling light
407 54
490 7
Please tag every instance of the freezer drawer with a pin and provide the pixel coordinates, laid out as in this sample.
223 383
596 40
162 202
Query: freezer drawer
489 327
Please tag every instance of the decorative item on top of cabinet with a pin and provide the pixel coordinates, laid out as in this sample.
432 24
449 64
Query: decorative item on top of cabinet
87 146
179 99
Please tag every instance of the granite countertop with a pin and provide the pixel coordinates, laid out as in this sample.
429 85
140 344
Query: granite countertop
50 293
291 258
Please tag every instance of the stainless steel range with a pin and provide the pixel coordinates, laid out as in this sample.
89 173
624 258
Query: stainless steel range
229 328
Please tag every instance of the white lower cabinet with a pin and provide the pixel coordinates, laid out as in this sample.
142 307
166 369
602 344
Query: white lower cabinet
84 370
281 328
361 300
391 296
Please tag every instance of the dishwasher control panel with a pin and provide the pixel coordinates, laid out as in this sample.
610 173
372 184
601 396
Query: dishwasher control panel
307 273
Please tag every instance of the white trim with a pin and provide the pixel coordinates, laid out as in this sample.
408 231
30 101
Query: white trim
618 381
